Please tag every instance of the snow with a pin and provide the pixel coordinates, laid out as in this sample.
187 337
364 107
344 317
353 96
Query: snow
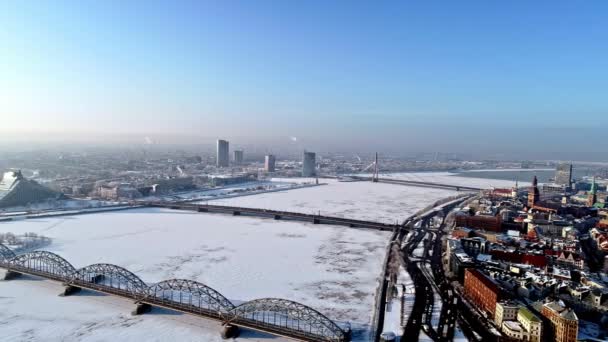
68 204
419 251
378 202
392 318
509 170
236 190
437 304
32 311
452 179
332 269
423 337
459 334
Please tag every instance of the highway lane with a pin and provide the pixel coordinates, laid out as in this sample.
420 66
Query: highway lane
421 286
429 285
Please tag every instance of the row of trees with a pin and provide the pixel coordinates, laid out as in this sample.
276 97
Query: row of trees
27 241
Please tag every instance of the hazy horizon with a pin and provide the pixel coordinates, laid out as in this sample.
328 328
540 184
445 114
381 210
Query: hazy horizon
518 79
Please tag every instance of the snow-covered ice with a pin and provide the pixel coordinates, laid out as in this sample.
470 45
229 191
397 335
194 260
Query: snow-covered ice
32 311
452 179
359 200
235 190
332 269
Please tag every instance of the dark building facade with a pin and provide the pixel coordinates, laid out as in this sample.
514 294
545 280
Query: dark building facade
15 191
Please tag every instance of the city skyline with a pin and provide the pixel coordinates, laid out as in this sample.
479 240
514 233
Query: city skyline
401 77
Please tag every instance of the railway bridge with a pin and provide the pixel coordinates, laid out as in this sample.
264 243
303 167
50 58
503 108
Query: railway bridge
275 316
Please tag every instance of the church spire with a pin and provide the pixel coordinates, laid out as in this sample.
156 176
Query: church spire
592 195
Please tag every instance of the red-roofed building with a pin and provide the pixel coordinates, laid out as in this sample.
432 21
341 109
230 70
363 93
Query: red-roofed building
501 193
481 290
537 260
484 222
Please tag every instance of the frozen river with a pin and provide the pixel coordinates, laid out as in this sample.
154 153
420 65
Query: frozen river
332 269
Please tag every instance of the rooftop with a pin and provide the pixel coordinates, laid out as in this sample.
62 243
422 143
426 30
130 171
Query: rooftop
563 311
9 179
512 325
527 314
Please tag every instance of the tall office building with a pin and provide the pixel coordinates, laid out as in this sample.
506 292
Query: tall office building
563 174
308 164
222 153
238 157
269 163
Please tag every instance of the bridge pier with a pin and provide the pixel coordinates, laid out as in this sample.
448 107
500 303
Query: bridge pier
229 331
141 309
277 217
316 221
236 213
8 275
70 290
174 207
202 210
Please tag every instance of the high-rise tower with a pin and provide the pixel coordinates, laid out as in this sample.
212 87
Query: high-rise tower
223 156
238 157
269 163
308 164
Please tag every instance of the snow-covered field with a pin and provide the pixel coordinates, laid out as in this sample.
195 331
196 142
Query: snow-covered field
359 200
332 269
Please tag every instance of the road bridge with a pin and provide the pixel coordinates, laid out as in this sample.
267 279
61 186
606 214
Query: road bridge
275 316
420 184
275 214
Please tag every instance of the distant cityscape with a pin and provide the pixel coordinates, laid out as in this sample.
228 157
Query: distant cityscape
530 263
129 175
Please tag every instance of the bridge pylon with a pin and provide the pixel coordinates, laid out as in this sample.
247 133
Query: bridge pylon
375 176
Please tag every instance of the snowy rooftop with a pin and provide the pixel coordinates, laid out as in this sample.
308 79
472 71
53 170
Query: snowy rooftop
7 181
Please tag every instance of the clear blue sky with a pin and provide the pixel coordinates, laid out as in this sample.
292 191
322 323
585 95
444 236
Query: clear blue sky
332 72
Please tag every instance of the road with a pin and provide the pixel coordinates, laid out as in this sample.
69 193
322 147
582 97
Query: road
429 280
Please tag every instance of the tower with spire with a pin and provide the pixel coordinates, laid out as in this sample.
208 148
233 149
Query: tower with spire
592 194
533 193
515 190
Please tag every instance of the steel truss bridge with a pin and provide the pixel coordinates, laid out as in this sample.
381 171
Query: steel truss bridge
270 315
